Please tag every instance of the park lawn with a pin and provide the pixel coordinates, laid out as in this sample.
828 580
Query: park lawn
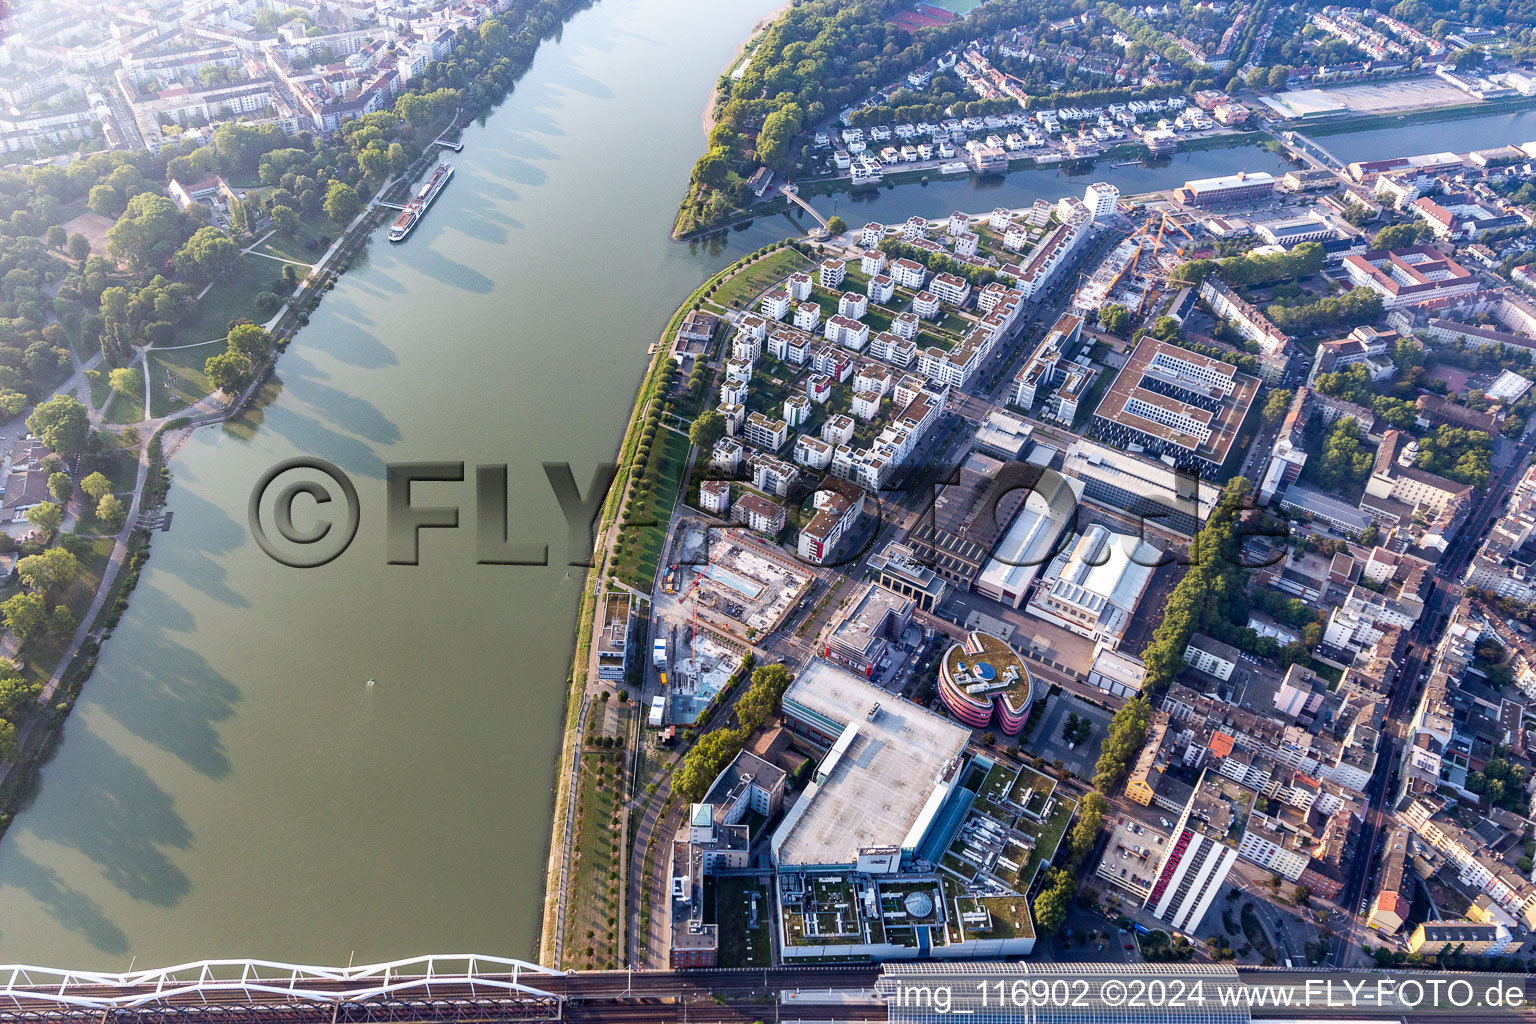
320 232
593 899
185 367
636 564
230 298
744 286
101 392
41 653
123 408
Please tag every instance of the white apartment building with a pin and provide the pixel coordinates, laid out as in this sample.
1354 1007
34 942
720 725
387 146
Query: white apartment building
1100 198
762 432
833 271
812 452
807 316
951 288
880 288
775 305
852 304
909 273
847 332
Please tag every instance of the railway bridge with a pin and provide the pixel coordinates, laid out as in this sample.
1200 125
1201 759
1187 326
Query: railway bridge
457 988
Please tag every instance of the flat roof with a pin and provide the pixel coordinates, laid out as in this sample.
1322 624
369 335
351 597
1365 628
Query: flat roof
1028 544
861 628
1326 507
1239 180
882 783
1223 422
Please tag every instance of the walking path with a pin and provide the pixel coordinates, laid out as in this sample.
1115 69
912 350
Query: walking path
282 259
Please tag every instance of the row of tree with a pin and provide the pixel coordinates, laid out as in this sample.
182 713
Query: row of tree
1213 581
718 747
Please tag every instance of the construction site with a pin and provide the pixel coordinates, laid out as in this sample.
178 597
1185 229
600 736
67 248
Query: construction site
1134 272
723 590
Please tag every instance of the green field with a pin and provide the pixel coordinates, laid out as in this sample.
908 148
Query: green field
636 563
744 286
123 408
185 365
229 299
297 248
590 923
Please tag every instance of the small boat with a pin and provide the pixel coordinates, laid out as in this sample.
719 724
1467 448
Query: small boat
370 680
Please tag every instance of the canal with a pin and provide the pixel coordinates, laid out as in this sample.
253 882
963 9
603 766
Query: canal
229 783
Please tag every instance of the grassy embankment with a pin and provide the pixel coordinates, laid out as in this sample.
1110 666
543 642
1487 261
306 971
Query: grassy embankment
635 565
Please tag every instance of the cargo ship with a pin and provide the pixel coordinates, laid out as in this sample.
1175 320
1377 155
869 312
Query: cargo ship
417 207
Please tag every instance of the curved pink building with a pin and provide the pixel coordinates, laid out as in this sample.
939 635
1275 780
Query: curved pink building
984 679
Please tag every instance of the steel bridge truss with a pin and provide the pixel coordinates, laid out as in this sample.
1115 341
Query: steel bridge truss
462 989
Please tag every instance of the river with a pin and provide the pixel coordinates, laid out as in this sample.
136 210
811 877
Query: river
229 784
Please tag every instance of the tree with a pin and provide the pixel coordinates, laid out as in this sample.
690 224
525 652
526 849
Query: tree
1458 453
1277 405
1127 731
105 201
1344 462
49 573
494 34
285 219
208 254
78 247
342 202
229 371
249 340
836 225
62 424
112 511
1278 76
708 428
54 236
1400 236
779 129
97 486
16 693
24 615
1053 902
1090 821
46 517
126 380
61 487
149 232
1114 318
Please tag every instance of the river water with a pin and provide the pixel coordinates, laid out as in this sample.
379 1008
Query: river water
229 784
